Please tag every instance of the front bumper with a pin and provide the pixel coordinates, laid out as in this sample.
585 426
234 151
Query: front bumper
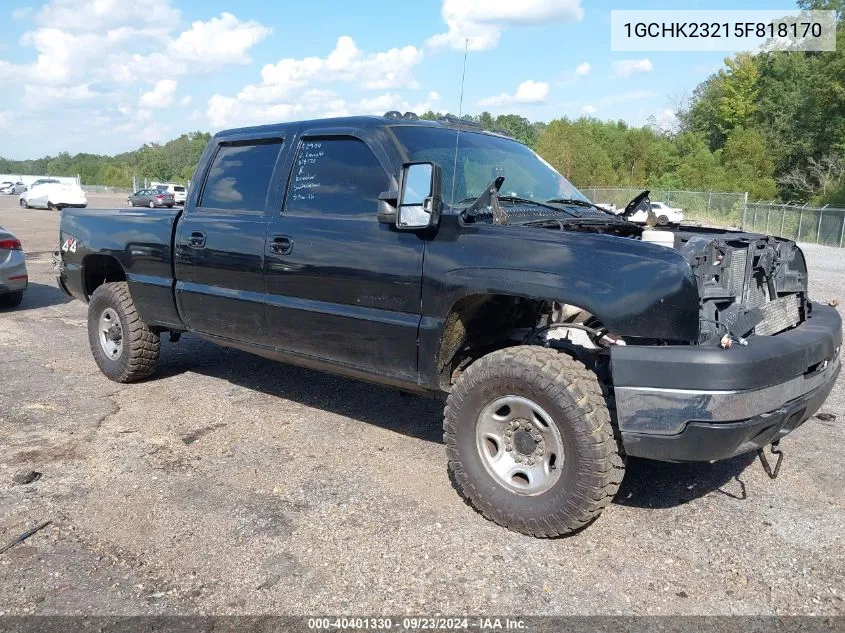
703 404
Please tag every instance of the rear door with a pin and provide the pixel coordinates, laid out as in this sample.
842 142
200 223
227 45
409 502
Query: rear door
340 286
220 243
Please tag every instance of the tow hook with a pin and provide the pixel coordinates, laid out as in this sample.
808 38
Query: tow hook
775 450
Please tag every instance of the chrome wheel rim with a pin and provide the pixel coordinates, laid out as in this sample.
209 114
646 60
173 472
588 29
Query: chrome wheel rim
519 445
111 334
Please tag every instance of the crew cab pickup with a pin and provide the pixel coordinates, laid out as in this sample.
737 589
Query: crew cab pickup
441 259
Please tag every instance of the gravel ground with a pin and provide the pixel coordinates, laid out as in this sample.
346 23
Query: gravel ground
233 485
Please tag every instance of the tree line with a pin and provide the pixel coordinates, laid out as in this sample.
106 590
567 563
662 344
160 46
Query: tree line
173 161
771 124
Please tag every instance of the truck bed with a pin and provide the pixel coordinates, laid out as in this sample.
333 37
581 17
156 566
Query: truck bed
141 240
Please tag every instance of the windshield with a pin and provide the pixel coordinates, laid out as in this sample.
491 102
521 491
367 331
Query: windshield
480 159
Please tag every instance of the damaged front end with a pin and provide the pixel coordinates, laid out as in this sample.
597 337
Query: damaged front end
706 402
748 284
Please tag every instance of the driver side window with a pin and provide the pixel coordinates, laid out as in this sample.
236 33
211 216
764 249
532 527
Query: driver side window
335 176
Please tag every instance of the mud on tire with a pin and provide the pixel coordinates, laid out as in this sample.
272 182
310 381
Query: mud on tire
590 467
140 347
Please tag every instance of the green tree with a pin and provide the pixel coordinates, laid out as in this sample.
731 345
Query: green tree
574 154
740 90
748 163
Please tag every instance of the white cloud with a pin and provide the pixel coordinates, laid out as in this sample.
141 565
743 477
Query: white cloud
41 95
628 67
290 87
161 96
583 69
87 16
205 47
5 118
482 21
88 57
313 104
345 63
223 40
116 41
223 111
588 109
528 92
392 101
666 120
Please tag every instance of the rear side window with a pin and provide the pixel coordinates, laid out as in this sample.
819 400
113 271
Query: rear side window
239 177
339 176
179 189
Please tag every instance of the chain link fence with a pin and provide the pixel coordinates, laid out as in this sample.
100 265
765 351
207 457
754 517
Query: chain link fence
106 189
820 225
708 207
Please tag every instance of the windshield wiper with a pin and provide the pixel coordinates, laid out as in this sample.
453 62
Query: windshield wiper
518 200
580 203
490 198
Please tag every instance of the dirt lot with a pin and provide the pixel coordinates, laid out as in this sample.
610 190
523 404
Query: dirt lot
230 484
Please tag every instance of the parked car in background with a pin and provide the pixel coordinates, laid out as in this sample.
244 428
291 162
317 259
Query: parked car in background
54 195
179 192
11 188
13 275
607 206
44 181
665 214
151 198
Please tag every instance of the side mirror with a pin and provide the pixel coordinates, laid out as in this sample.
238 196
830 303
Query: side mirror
419 196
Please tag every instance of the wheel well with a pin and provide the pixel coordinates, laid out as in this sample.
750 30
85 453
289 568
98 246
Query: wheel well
100 269
479 324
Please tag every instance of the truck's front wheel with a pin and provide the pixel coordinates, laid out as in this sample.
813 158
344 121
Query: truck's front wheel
123 346
530 443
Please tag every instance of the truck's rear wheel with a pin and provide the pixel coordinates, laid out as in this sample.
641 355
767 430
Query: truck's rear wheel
123 346
530 443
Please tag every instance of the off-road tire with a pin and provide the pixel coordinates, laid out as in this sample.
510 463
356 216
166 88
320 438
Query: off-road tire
141 346
11 299
593 465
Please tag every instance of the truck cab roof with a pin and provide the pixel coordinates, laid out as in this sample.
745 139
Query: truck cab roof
363 122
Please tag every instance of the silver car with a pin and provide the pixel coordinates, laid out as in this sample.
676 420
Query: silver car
13 276
11 188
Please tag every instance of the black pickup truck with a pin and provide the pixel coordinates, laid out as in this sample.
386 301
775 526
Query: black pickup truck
442 259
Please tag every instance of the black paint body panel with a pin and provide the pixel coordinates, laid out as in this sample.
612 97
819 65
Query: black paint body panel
360 297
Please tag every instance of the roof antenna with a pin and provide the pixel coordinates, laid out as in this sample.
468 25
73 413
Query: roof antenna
460 113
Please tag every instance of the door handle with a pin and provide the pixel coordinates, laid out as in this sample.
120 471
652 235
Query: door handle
280 245
197 239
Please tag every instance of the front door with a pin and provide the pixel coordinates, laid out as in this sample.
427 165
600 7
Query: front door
220 244
340 286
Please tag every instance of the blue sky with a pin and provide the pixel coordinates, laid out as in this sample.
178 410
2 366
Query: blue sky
105 76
